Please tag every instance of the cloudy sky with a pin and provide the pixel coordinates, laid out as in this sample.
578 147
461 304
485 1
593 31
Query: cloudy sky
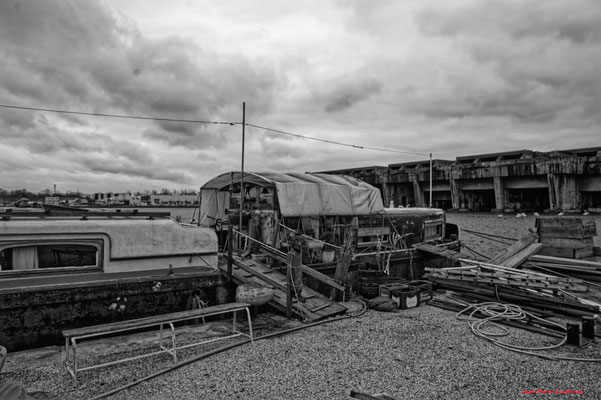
451 78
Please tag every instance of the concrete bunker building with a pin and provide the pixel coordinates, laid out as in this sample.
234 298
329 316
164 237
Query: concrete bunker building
522 180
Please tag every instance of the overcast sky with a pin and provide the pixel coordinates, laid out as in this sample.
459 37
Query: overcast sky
452 78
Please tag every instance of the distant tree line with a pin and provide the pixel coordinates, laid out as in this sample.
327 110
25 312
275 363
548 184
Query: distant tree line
14 195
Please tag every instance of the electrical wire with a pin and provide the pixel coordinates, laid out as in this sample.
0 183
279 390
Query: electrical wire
499 311
194 121
334 142
486 236
474 251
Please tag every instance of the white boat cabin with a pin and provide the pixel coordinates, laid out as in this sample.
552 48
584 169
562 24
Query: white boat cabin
43 246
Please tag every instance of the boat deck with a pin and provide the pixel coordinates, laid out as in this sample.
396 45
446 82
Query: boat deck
64 281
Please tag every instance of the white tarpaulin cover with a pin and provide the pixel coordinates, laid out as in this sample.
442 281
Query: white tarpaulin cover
298 194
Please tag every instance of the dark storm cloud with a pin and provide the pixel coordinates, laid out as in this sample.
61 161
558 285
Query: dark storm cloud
45 138
173 78
283 151
129 168
45 42
82 56
191 135
346 93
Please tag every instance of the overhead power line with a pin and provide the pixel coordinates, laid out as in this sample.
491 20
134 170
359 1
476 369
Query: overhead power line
337 143
195 121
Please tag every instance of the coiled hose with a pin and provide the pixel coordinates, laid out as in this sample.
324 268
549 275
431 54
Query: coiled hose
499 311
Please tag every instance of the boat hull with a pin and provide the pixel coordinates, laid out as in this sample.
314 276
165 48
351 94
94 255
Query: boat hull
35 316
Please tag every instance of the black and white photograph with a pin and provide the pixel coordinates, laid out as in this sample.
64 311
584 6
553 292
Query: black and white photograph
276 199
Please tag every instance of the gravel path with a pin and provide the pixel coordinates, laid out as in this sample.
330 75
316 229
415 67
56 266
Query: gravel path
421 353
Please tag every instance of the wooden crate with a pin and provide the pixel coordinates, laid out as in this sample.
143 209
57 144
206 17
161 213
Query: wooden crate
566 227
568 252
567 242
386 289
566 236
425 289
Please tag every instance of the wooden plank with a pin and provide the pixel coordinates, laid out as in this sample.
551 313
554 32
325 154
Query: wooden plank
155 319
515 248
564 261
510 281
583 270
321 307
277 280
566 242
281 256
567 252
346 254
527 300
519 258
277 284
575 232
279 300
532 276
499 267
322 277
565 222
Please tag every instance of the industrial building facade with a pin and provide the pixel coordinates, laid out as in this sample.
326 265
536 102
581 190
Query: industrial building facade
523 180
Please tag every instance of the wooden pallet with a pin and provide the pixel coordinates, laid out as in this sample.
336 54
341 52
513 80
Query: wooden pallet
316 306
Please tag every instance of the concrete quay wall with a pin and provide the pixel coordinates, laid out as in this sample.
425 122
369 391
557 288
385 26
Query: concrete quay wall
522 180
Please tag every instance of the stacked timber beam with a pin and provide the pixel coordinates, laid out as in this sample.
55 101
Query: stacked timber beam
544 293
515 254
545 285
589 271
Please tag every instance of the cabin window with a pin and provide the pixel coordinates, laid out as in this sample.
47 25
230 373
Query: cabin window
433 230
47 256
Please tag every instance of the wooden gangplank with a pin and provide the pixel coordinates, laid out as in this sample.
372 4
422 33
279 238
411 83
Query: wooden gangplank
315 307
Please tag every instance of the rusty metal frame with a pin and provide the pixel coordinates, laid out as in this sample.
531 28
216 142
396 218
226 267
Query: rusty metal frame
71 343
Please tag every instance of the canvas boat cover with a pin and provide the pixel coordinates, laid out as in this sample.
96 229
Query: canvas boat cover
298 194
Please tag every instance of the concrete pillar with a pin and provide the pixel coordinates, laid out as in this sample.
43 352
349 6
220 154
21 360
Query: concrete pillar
418 194
499 186
387 192
563 192
455 193
552 191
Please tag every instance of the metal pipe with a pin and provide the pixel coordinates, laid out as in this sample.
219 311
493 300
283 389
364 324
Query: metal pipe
242 178
430 180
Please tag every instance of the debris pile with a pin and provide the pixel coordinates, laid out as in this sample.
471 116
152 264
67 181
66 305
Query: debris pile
543 285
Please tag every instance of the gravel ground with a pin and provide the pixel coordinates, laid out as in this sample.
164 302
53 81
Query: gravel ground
420 353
